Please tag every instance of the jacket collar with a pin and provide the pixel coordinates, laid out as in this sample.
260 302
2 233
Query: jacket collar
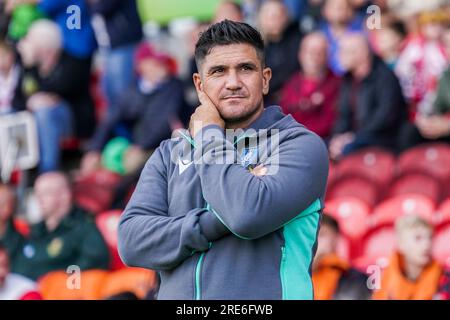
270 116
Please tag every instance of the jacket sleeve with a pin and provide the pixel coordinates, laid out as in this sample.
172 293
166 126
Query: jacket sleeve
343 121
252 206
149 237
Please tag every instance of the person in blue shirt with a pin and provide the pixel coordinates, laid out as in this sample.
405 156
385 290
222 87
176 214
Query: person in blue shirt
339 19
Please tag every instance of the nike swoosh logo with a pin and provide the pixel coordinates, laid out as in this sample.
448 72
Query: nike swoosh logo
183 166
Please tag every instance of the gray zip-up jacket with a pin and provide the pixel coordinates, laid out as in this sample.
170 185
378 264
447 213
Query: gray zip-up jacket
215 230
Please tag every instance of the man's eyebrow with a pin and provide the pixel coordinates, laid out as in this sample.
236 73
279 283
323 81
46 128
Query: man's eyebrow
240 65
247 64
216 67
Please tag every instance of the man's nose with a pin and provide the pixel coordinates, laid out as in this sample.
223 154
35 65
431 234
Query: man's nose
233 81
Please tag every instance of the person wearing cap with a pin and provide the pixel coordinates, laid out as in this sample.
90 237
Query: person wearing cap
148 109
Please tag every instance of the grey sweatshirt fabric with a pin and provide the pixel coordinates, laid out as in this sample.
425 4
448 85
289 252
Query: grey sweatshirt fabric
216 230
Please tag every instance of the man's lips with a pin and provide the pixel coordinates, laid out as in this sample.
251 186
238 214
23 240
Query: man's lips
233 97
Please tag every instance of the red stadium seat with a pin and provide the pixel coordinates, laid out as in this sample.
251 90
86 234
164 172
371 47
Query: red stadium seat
374 164
389 210
443 213
416 183
22 226
378 246
107 223
357 187
441 244
351 214
433 159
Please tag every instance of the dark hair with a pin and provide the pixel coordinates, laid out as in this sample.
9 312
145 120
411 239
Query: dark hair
329 221
399 28
228 32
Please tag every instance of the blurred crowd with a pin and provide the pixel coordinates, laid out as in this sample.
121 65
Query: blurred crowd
106 92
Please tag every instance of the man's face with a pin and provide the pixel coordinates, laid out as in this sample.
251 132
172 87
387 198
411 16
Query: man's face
227 10
352 52
273 19
337 11
4 266
415 245
313 55
53 195
235 81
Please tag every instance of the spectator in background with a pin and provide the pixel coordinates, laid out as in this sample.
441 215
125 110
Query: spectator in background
9 77
281 37
14 286
389 42
66 236
339 19
118 31
78 35
55 87
422 62
310 95
436 125
228 9
333 278
148 109
412 274
311 15
371 105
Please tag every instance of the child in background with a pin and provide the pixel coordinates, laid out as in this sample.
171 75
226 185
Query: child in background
412 273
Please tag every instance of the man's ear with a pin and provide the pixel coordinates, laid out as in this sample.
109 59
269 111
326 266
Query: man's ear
267 75
197 82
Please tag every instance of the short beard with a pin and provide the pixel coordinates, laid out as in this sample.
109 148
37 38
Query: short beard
233 121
